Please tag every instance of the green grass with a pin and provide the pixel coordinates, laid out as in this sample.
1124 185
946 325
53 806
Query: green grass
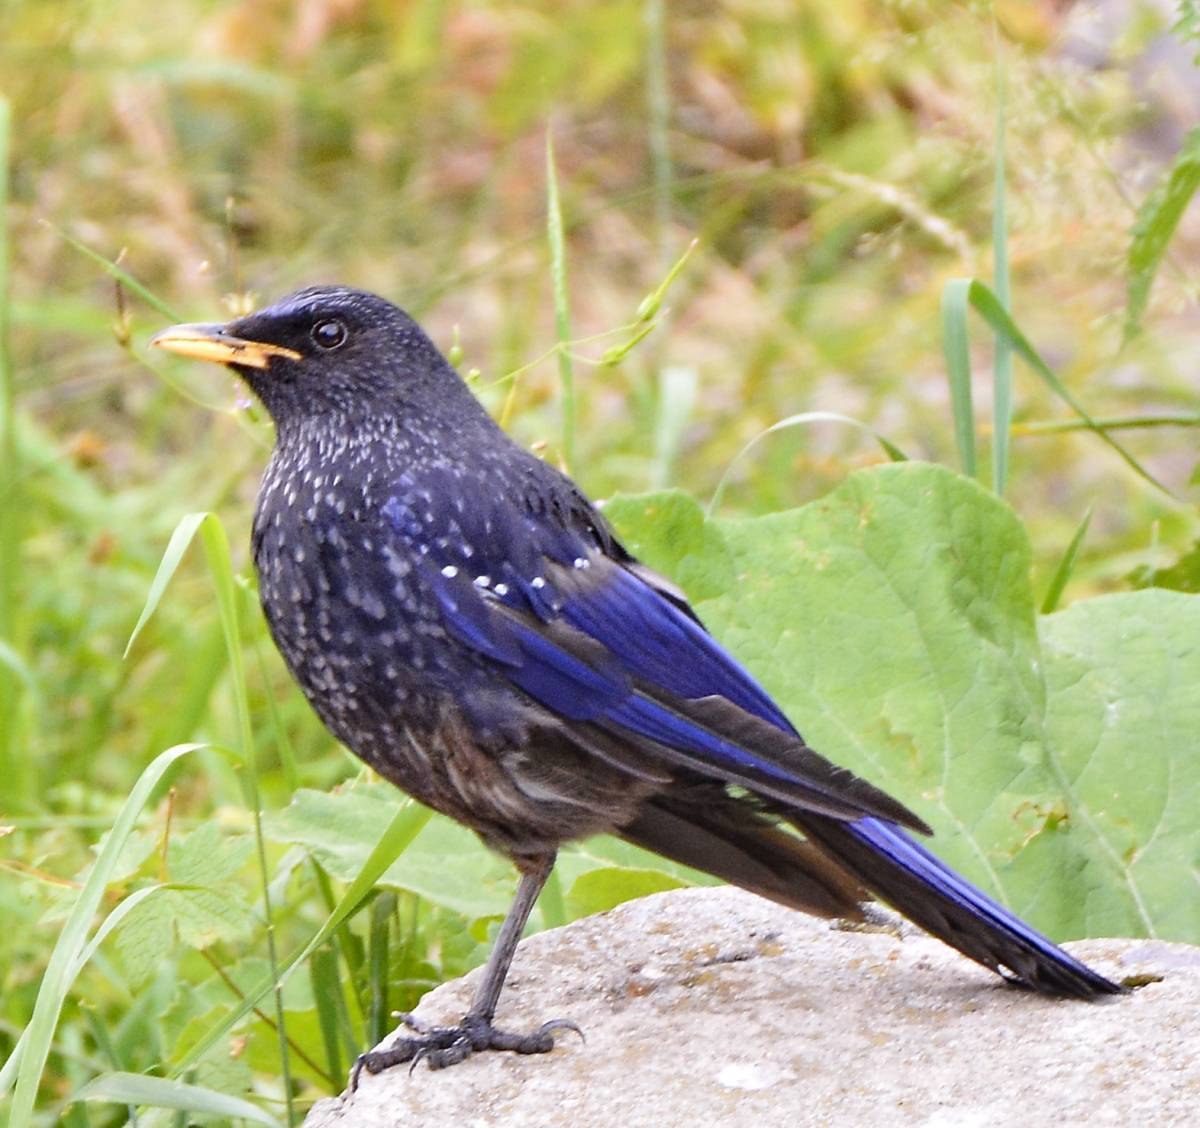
837 178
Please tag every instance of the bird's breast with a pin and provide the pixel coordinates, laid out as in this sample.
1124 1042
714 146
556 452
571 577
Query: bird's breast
343 604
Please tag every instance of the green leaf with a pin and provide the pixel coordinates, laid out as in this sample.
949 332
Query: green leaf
208 916
606 852
192 916
222 1072
445 863
955 346
894 620
599 890
1156 222
207 856
297 990
199 907
1182 575
1123 682
157 1092
145 939
133 853
667 531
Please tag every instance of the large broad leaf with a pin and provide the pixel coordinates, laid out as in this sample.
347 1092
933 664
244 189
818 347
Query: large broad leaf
668 532
444 863
1123 682
447 865
894 621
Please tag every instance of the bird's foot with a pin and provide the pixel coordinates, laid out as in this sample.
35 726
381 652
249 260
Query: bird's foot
442 1046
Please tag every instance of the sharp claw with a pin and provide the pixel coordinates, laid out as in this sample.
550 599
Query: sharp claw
419 1057
376 1061
561 1024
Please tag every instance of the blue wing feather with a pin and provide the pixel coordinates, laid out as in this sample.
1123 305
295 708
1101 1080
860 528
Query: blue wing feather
657 642
620 656
639 637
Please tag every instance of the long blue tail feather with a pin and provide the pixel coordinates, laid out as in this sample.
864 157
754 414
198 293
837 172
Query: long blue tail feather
923 887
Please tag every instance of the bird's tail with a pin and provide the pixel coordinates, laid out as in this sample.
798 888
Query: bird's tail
907 876
839 864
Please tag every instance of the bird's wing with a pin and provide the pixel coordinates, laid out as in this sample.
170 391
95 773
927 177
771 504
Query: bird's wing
602 646
595 644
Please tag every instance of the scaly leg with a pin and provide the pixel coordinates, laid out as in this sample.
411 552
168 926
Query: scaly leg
442 1046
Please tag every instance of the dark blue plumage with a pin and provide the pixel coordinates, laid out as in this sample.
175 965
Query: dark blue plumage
462 618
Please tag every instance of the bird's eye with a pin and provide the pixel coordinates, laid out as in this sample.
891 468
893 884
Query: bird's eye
329 334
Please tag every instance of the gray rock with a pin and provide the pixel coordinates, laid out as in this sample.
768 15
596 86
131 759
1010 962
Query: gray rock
711 1006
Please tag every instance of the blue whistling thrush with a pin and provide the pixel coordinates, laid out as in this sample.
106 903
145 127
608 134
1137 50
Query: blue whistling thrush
463 619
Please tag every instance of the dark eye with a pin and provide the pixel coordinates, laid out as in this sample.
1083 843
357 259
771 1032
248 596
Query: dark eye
329 334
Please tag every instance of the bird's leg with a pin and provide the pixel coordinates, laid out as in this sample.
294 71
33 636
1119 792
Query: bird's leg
442 1046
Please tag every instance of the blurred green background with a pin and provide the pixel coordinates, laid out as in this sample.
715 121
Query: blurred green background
836 164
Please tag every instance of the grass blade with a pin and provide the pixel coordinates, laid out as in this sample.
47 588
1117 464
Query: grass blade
403 828
1108 423
220 566
658 112
11 512
1066 565
9 1069
177 547
562 309
889 448
677 393
114 271
158 1092
989 308
326 988
72 940
378 1019
955 297
1156 221
1002 368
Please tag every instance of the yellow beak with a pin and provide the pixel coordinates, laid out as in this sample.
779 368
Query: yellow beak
211 342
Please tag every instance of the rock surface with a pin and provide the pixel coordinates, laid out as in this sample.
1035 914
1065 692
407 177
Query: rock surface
711 1006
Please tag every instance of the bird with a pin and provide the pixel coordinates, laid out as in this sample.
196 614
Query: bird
463 618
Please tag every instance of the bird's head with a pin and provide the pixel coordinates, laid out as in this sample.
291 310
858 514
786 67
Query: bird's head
329 349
